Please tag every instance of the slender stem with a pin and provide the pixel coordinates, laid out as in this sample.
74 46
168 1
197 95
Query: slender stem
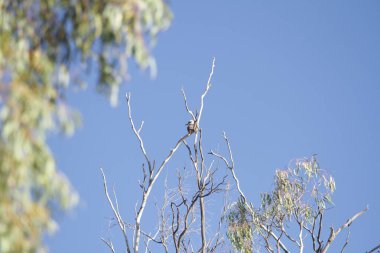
116 212
231 166
346 242
186 105
109 244
137 132
300 237
334 234
373 250
146 193
152 175
203 224
208 86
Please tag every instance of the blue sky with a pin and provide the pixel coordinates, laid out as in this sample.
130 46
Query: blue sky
292 79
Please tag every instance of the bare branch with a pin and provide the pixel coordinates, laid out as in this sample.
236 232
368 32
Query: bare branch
186 106
201 200
346 243
116 212
334 234
137 132
283 247
116 202
190 153
208 86
373 250
267 244
300 238
320 229
352 219
289 236
278 243
109 244
231 166
180 225
311 231
195 159
141 126
150 238
152 177
151 182
209 189
163 229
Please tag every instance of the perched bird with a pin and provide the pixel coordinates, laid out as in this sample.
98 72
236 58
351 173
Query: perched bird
192 127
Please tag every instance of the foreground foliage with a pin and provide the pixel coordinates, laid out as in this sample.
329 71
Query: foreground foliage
44 47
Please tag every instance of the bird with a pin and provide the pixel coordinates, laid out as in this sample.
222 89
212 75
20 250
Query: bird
192 126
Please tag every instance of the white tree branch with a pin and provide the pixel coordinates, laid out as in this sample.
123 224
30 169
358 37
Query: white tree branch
137 132
231 166
186 105
208 86
109 244
334 234
116 212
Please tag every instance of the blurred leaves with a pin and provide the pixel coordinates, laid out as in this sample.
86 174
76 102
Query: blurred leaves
45 46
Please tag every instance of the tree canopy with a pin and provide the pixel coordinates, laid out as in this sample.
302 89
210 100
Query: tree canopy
45 46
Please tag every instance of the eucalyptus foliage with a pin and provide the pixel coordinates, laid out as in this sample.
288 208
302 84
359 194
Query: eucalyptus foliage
45 46
239 230
301 194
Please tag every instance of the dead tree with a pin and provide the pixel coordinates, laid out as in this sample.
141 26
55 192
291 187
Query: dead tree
298 202
173 230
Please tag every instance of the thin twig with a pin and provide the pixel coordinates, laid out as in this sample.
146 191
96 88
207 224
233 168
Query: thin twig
230 165
346 242
137 132
116 212
289 236
208 86
334 234
373 250
186 105
146 193
109 244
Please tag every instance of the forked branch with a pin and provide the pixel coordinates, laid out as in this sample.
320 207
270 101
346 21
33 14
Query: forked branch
151 175
231 166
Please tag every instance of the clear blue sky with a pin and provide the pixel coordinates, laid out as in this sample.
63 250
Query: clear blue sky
292 79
